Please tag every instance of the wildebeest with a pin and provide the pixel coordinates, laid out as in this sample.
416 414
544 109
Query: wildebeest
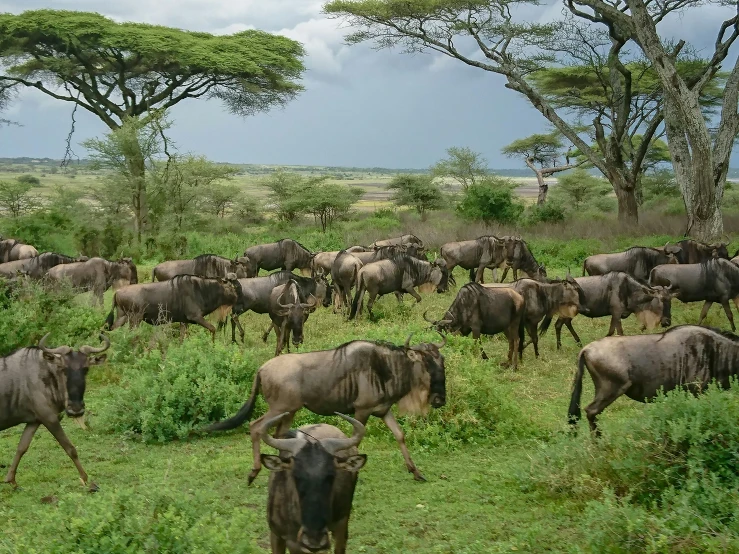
694 252
637 261
12 250
401 240
205 265
519 258
399 274
716 280
475 255
618 295
311 486
486 311
639 366
288 312
96 275
323 261
387 252
285 254
39 383
365 378
344 273
183 299
37 266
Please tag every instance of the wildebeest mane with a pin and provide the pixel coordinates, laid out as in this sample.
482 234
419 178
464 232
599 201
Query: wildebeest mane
710 268
42 263
205 288
417 269
211 265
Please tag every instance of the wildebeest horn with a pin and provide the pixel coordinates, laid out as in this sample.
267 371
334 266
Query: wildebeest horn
332 446
427 319
440 344
285 306
58 350
408 341
290 445
230 276
92 350
312 302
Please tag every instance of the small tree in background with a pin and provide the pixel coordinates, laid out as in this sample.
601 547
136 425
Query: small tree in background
463 166
327 202
220 197
284 196
580 188
491 201
419 192
15 197
30 179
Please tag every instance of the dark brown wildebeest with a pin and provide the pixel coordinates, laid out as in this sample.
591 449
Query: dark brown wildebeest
344 273
311 486
519 258
12 250
362 377
640 366
205 265
285 254
382 253
486 311
637 261
618 295
403 240
183 299
96 275
397 275
694 252
324 261
39 383
288 312
716 280
475 255
37 266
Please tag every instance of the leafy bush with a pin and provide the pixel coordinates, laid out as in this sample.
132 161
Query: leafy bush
491 201
580 188
659 184
549 212
29 180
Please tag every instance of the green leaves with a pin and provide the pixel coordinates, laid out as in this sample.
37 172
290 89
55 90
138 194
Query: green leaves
419 192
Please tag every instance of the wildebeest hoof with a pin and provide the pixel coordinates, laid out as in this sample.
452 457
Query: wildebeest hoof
93 487
252 475
484 356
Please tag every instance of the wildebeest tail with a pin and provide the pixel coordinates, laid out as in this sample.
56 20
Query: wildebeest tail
574 414
242 415
545 325
584 271
111 316
522 330
357 298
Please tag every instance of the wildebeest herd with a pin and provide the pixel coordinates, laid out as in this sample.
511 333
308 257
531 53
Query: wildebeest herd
313 478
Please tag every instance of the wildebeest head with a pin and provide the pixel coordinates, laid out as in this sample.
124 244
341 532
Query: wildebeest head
123 272
251 264
296 313
440 276
312 465
671 250
240 266
429 364
654 305
573 297
75 364
323 289
719 250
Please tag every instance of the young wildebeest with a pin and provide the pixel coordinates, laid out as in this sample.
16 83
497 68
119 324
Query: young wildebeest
285 254
288 313
37 266
474 255
361 377
205 265
344 273
694 252
639 366
716 280
12 250
486 311
618 295
96 275
311 487
323 261
520 258
637 261
400 274
184 299
39 383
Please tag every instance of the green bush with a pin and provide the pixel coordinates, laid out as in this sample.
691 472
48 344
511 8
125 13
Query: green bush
549 212
491 201
29 180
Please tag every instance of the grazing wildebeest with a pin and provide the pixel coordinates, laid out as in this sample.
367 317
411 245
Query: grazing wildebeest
637 261
403 240
640 366
96 275
324 261
205 265
716 280
39 383
183 299
618 295
12 250
344 273
256 295
475 255
365 378
37 266
285 254
288 312
519 258
399 274
694 252
486 311
311 486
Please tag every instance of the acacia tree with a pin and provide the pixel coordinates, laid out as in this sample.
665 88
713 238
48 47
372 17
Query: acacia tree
462 165
118 71
419 192
327 202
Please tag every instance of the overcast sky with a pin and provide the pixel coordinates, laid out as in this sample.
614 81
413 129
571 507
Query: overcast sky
361 107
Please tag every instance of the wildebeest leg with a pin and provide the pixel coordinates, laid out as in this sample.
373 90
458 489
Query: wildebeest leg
200 320
704 312
255 430
414 294
265 335
531 328
606 393
558 331
568 323
727 309
281 332
340 533
505 272
55 429
370 303
397 432
612 327
23 445
119 322
512 335
399 297
234 323
480 274
277 543
515 273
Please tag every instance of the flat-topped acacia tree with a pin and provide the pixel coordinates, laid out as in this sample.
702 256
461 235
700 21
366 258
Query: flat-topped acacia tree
118 71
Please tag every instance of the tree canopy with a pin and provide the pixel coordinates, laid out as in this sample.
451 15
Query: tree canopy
419 192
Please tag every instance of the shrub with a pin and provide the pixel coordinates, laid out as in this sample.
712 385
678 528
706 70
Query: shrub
29 180
491 201
549 212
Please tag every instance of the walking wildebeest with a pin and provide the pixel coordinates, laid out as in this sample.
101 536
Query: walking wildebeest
640 366
183 299
403 240
12 250
205 265
694 252
37 266
716 280
288 312
96 275
285 254
399 274
618 295
344 273
486 311
475 255
39 383
324 261
311 486
519 258
637 261
365 378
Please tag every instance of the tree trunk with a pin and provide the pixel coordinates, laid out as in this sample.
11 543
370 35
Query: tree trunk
628 208
137 171
543 189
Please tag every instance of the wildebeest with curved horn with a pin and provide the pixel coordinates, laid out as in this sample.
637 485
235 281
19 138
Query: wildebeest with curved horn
365 378
311 485
37 266
400 274
716 280
474 255
288 312
403 240
642 365
183 299
96 275
39 383
205 265
12 250
344 273
519 258
694 252
286 254
637 261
